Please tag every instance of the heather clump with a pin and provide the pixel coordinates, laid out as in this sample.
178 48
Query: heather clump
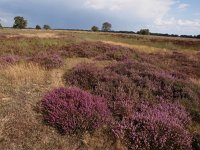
159 126
133 79
130 81
101 82
112 56
85 76
98 80
157 82
10 59
72 110
99 50
84 49
48 61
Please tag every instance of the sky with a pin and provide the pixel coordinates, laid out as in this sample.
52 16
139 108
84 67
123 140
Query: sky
160 16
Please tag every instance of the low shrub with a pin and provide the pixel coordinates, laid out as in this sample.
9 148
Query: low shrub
99 50
109 85
72 110
112 56
159 127
162 84
10 59
133 79
85 76
84 49
48 61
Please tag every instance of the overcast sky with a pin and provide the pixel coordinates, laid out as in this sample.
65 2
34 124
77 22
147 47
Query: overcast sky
164 16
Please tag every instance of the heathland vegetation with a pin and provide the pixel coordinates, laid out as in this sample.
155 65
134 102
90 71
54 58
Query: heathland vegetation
98 90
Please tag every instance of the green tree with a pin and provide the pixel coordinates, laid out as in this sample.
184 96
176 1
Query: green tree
106 26
20 22
1 26
46 27
144 32
95 29
37 27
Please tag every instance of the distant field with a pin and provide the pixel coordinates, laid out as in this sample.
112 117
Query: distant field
150 86
59 38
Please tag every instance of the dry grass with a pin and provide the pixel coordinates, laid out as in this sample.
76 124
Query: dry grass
22 87
142 48
24 74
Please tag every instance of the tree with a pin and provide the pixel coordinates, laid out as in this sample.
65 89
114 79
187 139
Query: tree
144 32
37 27
1 26
95 29
20 22
46 27
106 26
198 36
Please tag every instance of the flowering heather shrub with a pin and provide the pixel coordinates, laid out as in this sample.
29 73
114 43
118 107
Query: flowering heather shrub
84 49
85 76
125 82
159 127
101 82
11 59
113 55
49 61
136 79
97 49
180 62
157 82
97 80
72 110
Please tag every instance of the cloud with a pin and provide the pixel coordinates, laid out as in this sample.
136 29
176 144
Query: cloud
6 19
144 9
178 22
183 6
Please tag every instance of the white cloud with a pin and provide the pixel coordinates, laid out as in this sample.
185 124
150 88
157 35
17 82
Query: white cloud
189 23
178 22
6 19
144 9
183 6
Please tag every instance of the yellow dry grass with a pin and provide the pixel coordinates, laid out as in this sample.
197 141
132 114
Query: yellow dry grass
196 81
23 74
142 48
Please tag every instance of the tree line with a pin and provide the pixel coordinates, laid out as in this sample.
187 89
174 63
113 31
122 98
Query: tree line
21 23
